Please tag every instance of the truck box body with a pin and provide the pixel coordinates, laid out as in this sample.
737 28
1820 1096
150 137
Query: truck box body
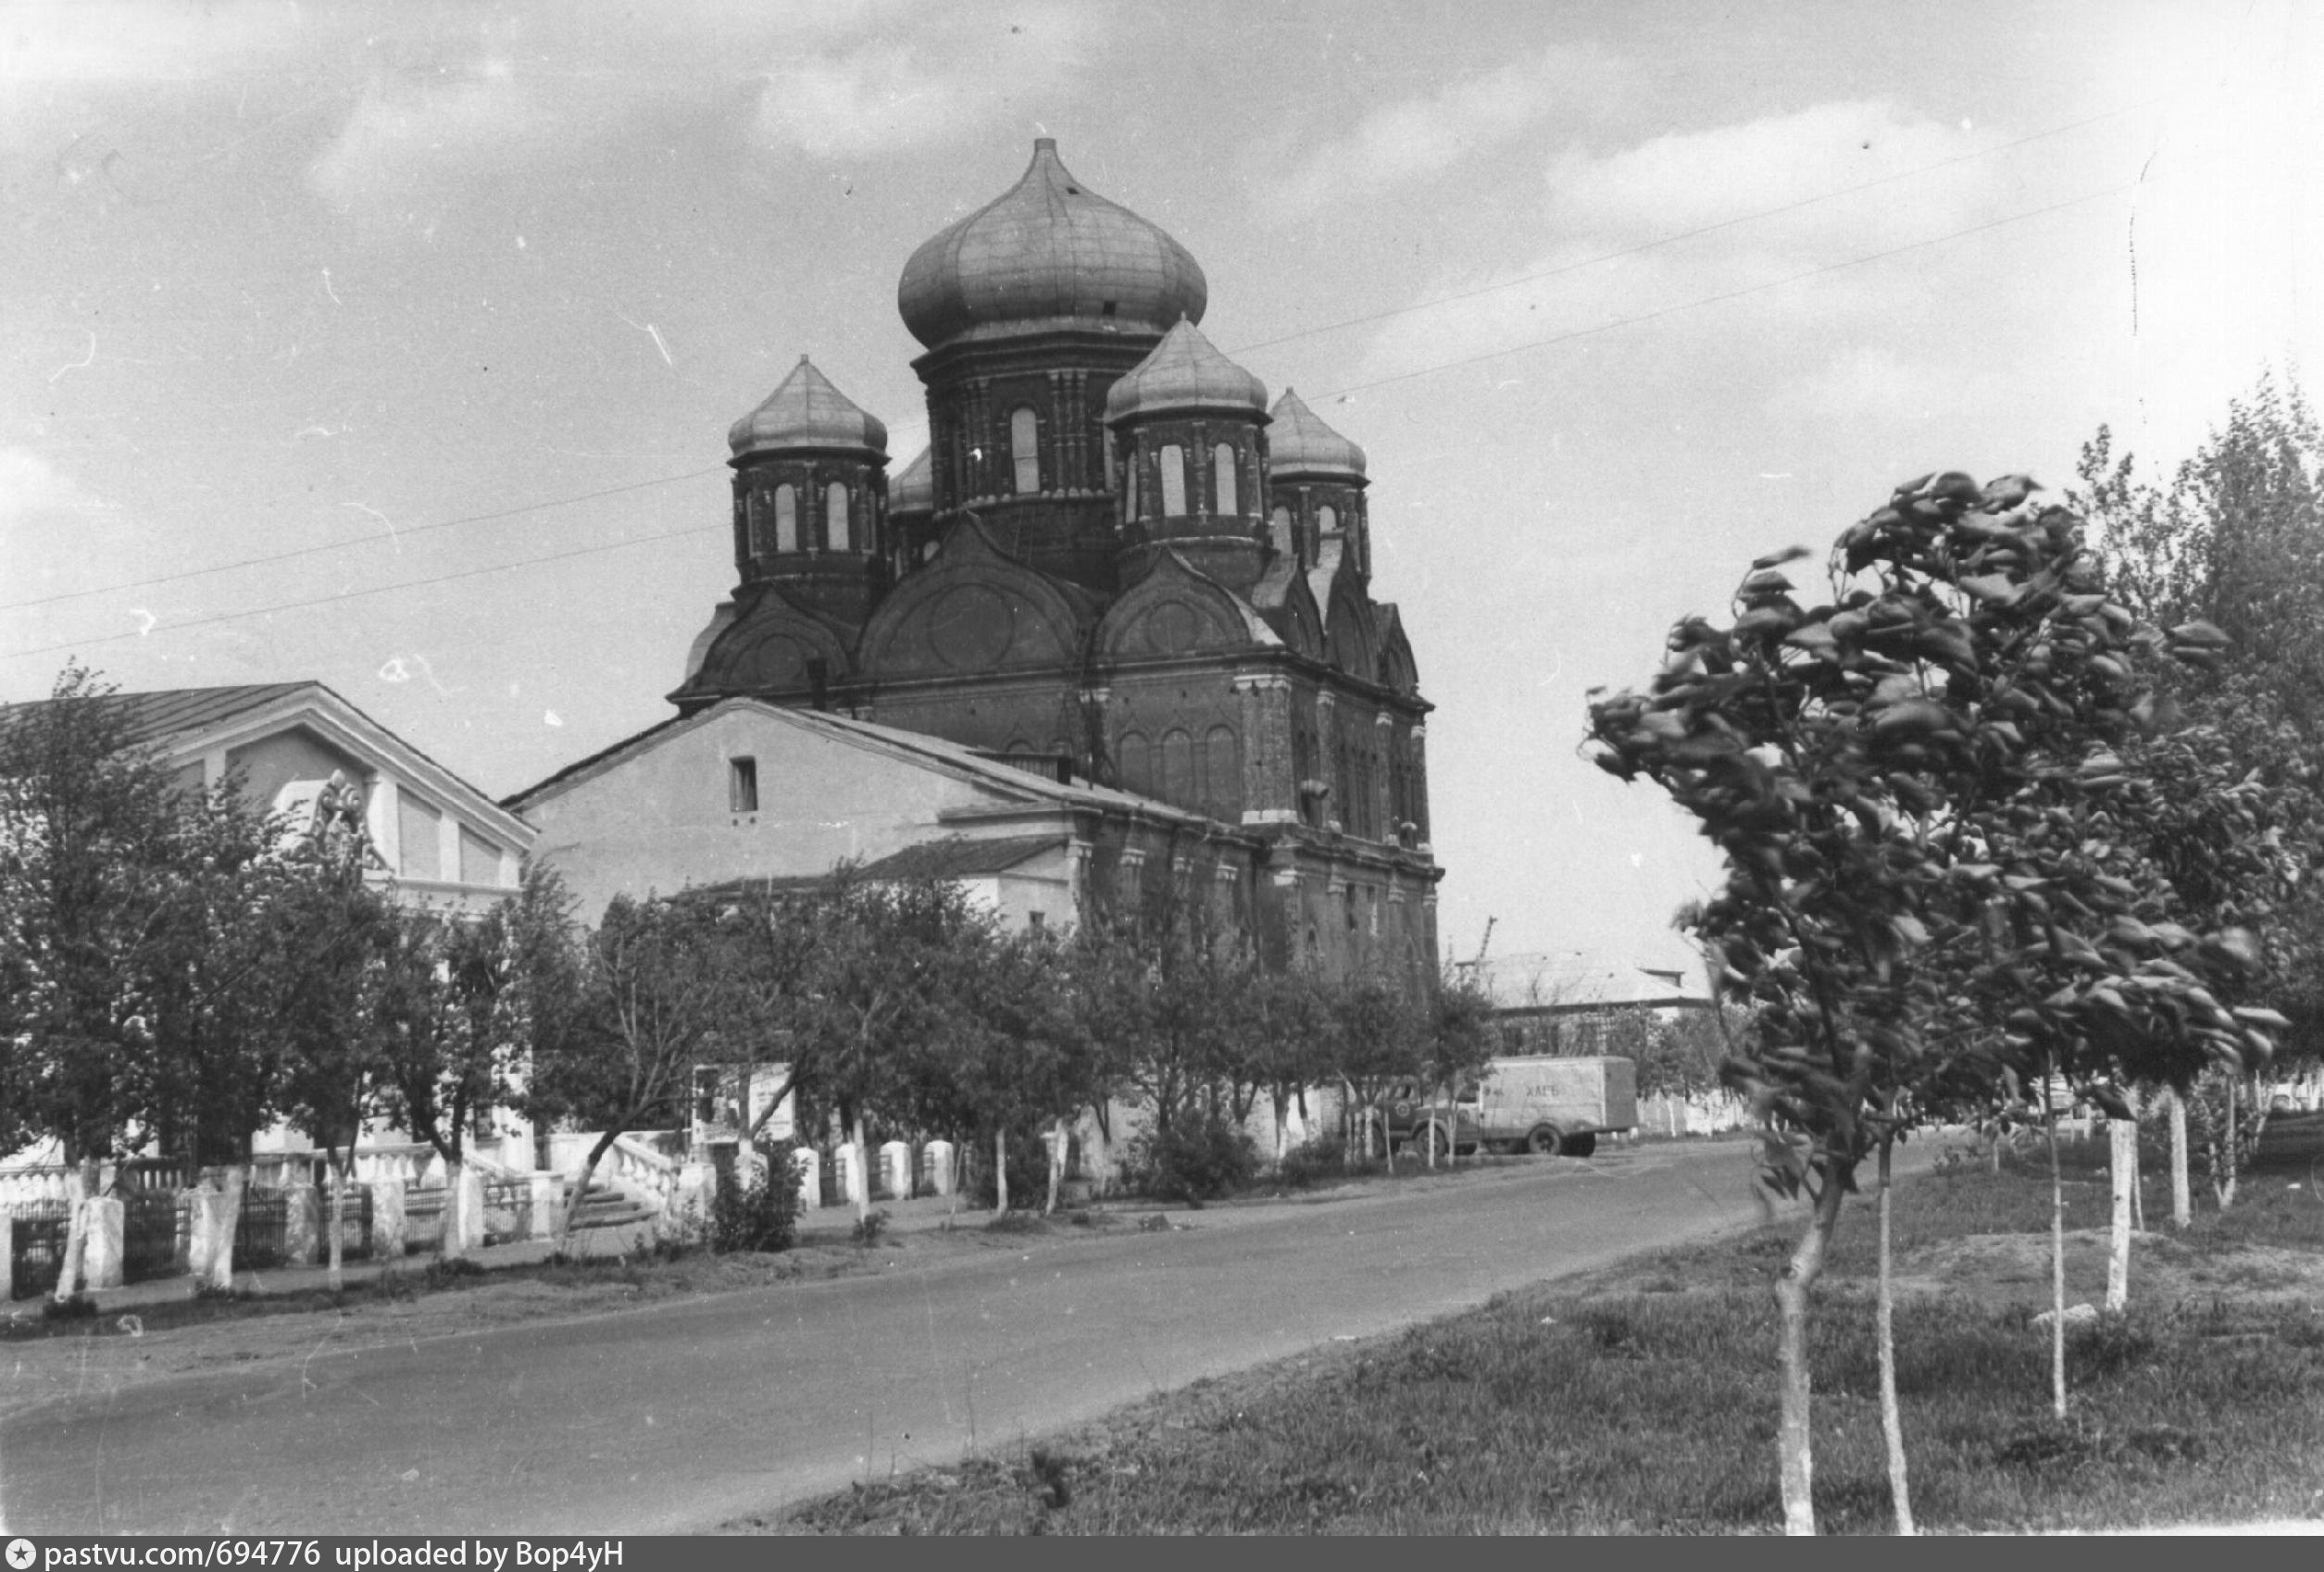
1516 1096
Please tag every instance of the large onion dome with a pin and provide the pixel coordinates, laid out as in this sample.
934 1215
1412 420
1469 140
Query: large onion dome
1185 375
807 412
1051 249
1298 443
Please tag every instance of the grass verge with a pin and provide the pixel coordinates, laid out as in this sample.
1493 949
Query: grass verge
1643 1401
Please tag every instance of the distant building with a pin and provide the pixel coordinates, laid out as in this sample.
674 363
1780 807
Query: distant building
1115 562
443 842
1579 1002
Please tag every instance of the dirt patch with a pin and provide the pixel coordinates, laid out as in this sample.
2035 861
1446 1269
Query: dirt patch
2008 1270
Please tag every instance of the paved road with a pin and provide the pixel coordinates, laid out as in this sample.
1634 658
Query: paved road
683 1416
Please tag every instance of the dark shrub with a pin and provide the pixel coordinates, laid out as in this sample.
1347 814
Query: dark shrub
763 1216
1199 1158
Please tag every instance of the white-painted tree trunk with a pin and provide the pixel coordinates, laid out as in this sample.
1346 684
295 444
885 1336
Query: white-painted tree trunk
2057 1256
338 1279
2123 1139
69 1273
1000 1173
863 1173
1891 1414
2182 1198
1057 1167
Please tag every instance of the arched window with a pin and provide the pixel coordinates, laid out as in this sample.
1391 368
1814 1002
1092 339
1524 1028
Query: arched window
1135 768
1173 480
1325 520
1024 446
756 518
1224 501
1222 770
1279 530
786 518
1178 768
836 535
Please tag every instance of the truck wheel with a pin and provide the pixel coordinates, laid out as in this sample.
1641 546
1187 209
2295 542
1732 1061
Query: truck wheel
1581 1145
1543 1141
1431 1143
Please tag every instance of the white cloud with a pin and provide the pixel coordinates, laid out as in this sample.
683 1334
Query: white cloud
1415 137
31 487
140 40
943 76
1621 246
410 126
1681 182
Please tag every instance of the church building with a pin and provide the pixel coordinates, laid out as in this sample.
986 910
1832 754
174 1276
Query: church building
1116 564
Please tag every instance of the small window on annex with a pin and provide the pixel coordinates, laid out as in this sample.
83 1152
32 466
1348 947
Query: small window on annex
1222 481
1173 480
836 517
786 518
1024 446
742 785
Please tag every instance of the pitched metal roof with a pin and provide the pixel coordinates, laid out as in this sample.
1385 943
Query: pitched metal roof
1574 980
153 718
954 858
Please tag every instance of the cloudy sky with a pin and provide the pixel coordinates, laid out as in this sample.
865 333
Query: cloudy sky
394 345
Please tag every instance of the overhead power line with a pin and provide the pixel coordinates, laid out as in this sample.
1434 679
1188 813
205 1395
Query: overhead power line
1341 392
375 589
1265 343
363 540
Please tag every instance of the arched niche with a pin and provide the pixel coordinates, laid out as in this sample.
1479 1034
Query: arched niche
972 608
1175 610
768 649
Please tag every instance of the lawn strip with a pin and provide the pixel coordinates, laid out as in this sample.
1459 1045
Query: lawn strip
1643 1399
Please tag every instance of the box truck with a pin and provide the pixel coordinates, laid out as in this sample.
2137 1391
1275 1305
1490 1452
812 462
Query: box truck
1524 1105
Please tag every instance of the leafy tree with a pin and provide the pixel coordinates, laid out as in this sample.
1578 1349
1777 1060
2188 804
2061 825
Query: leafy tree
84 819
332 932
882 984
467 1009
655 1000
1919 790
2235 537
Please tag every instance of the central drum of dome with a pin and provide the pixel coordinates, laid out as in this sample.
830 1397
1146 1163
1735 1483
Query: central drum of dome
1050 249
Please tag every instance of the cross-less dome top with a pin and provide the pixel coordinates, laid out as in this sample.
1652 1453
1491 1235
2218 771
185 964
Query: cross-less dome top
1049 249
806 412
1185 373
1298 443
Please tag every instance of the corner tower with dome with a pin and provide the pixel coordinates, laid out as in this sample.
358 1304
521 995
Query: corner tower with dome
1114 563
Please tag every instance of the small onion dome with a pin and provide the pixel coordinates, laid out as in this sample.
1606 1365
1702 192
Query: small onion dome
1051 248
807 412
1298 443
915 489
1185 374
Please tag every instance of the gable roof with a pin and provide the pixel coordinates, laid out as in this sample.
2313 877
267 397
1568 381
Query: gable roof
1006 781
152 720
1569 982
954 858
182 720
